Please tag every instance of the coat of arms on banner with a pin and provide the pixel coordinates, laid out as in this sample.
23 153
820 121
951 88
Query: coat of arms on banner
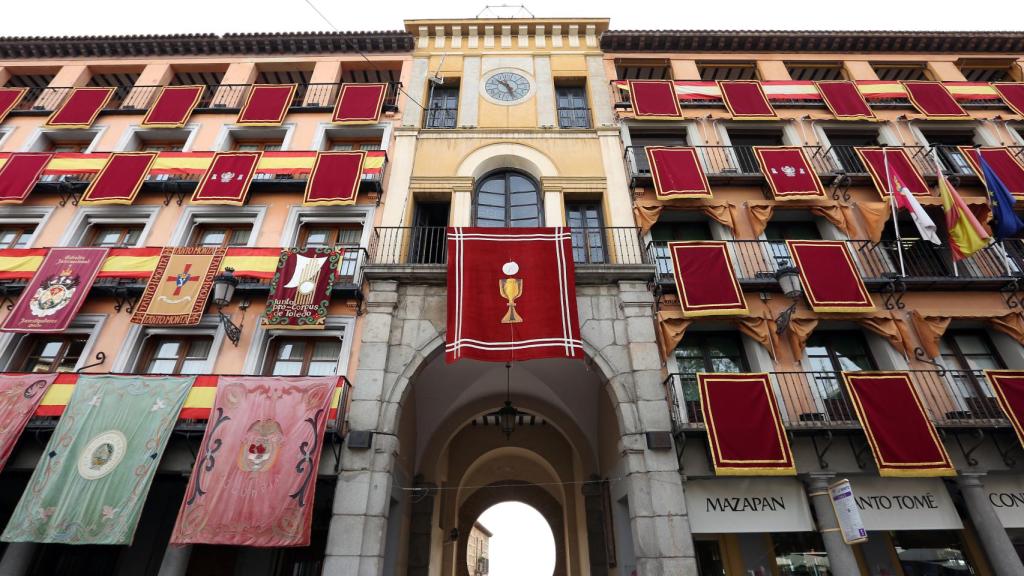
301 289
54 293
58 289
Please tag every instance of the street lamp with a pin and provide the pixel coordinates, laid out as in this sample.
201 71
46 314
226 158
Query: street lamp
224 285
788 277
508 414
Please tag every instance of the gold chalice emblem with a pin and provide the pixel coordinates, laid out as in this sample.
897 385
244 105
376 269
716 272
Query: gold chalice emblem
511 289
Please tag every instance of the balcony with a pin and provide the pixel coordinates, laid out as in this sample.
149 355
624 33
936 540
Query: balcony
817 400
215 98
927 266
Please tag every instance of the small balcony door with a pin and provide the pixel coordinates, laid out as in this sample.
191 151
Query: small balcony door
585 223
829 353
427 244
966 355
706 352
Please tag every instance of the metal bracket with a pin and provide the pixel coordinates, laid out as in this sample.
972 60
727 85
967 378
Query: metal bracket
967 452
67 194
894 292
657 292
820 452
101 357
1012 294
233 332
841 187
680 442
921 356
178 192
6 297
782 322
1004 452
360 303
766 190
858 453
124 299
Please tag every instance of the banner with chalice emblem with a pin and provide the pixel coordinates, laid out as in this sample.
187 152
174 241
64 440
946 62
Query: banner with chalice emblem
57 291
300 291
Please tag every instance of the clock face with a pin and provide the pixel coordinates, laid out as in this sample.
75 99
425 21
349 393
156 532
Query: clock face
507 87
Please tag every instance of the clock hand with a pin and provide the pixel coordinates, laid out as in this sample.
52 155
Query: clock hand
508 87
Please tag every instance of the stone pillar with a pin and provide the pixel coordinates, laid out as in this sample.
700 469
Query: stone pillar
144 92
840 556
1000 551
772 70
593 504
323 89
421 529
234 85
18 558
685 69
175 560
356 537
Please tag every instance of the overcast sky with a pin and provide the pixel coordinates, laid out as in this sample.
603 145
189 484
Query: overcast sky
100 17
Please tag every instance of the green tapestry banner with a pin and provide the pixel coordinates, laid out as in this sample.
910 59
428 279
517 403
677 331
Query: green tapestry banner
91 483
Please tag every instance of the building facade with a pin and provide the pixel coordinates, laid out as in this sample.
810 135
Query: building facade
512 123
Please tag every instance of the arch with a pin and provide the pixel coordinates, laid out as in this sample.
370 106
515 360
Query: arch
528 494
507 155
496 192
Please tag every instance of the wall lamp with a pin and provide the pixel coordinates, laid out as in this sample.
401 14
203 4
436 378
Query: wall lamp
224 285
788 277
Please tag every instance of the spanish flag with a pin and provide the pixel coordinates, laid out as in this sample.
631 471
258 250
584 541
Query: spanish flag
966 234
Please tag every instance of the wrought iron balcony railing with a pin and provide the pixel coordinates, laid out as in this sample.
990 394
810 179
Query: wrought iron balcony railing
428 245
807 400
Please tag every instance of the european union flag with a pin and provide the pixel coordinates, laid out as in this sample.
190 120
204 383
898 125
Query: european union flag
1005 222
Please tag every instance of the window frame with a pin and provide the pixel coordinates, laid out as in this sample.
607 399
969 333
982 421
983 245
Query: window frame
194 217
309 342
336 326
429 119
508 172
24 216
86 217
149 348
24 353
13 344
573 84
138 336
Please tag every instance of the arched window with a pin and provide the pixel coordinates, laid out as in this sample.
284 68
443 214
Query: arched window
507 199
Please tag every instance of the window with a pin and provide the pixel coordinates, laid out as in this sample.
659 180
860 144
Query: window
587 231
345 145
56 353
16 235
637 154
946 143
927 552
283 76
706 352
743 142
811 71
711 71
17 80
664 232
800 554
197 77
507 199
966 353
114 235
844 145
218 236
443 106
175 354
987 70
636 70
257 145
573 110
345 235
778 232
901 71
428 243
829 353
304 357
158 146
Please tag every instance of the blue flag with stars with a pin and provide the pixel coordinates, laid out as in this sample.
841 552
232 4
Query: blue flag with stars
1005 222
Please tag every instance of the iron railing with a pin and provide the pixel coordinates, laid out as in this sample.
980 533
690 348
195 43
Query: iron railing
758 260
215 97
818 399
622 245
574 117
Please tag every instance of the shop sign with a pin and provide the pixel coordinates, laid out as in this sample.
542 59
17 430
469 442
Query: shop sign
1005 493
731 505
905 504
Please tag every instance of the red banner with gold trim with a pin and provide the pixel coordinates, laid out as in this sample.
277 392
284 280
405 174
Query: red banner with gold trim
359 103
227 179
844 100
19 175
177 292
745 99
789 173
80 109
9 100
705 280
1006 166
266 104
933 100
173 106
654 99
900 166
829 276
745 430
335 178
120 180
1008 386
1012 94
300 291
902 438
677 173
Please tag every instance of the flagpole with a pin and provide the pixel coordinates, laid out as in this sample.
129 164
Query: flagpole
892 205
941 178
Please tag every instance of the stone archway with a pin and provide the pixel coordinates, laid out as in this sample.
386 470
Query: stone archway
498 492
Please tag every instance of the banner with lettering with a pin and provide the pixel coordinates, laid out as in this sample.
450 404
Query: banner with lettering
57 291
300 291
177 291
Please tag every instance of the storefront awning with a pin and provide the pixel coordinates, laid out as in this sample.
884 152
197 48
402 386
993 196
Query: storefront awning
120 179
904 504
745 505
829 276
788 172
677 173
705 280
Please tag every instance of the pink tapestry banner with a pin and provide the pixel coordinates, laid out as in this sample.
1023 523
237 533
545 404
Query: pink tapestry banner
254 479
58 289
19 396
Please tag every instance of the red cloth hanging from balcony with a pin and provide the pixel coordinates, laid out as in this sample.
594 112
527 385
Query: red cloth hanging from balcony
21 394
654 99
56 292
511 295
874 159
1008 386
19 175
177 292
240 494
829 276
120 180
788 172
266 104
745 430
705 280
173 107
1008 168
933 100
844 100
9 100
1012 94
359 103
227 179
335 178
81 108
677 172
902 438
745 99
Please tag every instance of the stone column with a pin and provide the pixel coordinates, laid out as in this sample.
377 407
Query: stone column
993 537
593 504
175 561
840 556
355 540
18 558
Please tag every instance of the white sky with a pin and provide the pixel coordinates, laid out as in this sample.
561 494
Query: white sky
102 17
522 543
